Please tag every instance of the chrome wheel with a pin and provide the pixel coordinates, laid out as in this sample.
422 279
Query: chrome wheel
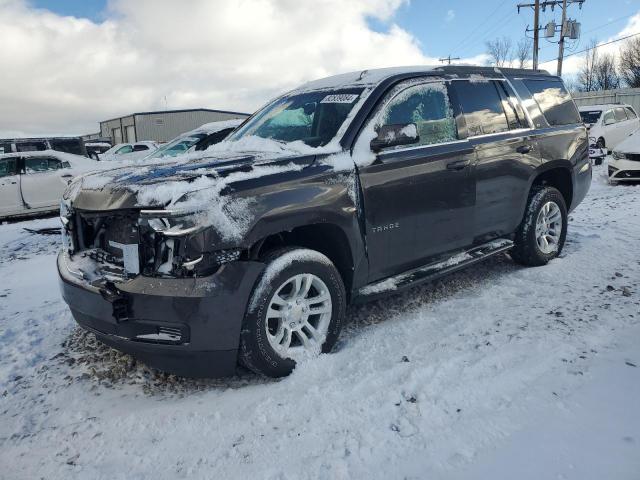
549 228
298 316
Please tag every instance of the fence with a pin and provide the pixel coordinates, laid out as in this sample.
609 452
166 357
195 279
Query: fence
629 96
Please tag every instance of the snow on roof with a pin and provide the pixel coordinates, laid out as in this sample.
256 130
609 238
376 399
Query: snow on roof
214 127
601 106
363 77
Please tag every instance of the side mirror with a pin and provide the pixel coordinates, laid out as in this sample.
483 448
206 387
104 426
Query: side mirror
394 135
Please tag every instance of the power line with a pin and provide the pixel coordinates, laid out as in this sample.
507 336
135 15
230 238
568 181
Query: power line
464 40
597 46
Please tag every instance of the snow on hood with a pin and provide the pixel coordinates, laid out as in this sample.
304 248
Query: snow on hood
631 144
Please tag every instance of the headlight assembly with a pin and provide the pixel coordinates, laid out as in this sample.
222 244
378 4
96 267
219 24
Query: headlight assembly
618 155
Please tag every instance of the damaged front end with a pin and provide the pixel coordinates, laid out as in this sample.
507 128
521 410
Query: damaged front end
117 245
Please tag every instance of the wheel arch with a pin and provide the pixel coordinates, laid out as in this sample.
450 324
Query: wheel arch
557 174
327 238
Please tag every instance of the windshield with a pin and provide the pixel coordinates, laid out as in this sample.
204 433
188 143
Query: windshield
313 117
177 146
591 117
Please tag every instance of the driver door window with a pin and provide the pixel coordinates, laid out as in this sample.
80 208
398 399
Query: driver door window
43 164
125 149
427 106
609 118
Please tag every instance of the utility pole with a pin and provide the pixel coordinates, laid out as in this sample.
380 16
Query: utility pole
562 32
448 59
536 33
536 24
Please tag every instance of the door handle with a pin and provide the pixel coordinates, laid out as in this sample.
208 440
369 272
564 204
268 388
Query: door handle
523 149
457 165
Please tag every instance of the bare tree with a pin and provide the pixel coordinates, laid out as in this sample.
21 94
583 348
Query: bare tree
606 73
587 73
523 52
500 51
630 62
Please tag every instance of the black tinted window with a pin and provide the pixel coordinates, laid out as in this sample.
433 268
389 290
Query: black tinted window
140 148
591 116
5 147
213 138
554 101
8 166
68 145
30 146
482 107
41 164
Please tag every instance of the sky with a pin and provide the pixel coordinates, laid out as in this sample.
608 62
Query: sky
69 64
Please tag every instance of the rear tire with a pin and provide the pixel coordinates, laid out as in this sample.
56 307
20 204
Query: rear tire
296 311
542 233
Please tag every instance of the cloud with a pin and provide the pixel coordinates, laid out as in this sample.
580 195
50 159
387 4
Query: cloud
450 16
62 75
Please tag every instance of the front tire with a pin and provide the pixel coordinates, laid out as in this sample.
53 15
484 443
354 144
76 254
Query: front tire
542 233
295 312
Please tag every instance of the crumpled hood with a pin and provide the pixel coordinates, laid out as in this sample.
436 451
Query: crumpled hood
132 186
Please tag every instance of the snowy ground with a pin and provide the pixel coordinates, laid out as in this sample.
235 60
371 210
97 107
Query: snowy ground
496 372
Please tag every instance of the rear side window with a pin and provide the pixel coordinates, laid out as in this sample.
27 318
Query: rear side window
630 113
140 147
482 108
554 101
8 167
620 115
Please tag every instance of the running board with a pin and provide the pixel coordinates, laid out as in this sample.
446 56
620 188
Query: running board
430 272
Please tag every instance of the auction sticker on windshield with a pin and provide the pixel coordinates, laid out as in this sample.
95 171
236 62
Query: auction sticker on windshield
340 98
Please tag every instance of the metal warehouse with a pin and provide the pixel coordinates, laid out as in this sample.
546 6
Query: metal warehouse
161 126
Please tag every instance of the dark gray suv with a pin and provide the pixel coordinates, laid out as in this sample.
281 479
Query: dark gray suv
342 190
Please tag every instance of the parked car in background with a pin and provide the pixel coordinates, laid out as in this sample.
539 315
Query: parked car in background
624 163
343 190
96 148
73 145
198 139
32 182
128 151
608 125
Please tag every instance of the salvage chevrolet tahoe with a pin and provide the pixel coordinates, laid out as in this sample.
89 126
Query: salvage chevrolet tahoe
343 190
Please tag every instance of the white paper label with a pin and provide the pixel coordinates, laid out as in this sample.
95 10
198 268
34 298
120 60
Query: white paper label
129 256
340 98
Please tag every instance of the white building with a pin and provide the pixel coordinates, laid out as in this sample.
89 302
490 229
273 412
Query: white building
161 126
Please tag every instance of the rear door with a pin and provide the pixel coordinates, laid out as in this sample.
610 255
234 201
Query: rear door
10 202
506 150
418 198
43 181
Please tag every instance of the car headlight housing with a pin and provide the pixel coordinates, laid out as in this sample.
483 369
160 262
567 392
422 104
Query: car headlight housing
618 155
175 244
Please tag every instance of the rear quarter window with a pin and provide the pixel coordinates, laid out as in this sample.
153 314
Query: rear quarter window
555 102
